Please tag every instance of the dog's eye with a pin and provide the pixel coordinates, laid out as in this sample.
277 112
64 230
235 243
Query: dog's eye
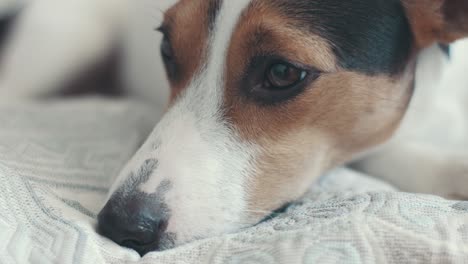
270 79
166 49
167 55
283 76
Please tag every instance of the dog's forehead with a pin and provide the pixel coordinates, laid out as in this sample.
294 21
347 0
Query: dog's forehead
370 36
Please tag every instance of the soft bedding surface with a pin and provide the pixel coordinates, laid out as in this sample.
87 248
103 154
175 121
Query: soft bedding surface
58 159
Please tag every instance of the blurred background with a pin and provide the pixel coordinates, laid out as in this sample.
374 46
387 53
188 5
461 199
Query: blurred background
112 42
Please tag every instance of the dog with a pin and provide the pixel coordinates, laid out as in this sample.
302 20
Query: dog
266 95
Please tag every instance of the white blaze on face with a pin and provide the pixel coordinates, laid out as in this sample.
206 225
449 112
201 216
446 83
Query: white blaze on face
207 165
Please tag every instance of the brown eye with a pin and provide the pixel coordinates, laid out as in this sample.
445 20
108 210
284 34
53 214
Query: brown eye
270 80
283 76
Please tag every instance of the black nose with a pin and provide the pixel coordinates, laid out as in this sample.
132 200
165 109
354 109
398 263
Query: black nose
133 223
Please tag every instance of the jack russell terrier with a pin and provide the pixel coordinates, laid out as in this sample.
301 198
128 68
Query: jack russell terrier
266 95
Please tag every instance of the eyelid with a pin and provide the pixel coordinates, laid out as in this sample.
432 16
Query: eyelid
164 29
285 58
160 29
166 38
274 58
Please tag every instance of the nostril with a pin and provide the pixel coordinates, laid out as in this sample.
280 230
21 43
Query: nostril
130 243
135 239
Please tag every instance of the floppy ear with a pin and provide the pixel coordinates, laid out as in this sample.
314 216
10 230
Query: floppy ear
442 21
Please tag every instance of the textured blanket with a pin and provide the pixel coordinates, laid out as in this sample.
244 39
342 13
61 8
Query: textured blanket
57 161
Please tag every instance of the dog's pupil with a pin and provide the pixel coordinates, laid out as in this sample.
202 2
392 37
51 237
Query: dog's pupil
283 76
281 71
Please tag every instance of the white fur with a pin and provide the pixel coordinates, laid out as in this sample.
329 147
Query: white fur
204 160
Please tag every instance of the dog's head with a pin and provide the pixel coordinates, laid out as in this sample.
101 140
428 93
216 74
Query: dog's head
266 95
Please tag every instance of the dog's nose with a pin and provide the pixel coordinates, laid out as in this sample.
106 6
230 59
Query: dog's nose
133 224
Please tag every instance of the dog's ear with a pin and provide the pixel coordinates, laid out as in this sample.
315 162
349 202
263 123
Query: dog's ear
442 21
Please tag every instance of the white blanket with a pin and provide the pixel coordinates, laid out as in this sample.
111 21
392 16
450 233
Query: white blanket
58 159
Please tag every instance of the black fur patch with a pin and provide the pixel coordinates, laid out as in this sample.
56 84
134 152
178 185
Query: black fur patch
370 36
136 179
213 9
446 49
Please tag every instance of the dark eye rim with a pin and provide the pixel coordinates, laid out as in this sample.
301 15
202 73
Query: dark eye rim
167 55
252 82
169 60
166 39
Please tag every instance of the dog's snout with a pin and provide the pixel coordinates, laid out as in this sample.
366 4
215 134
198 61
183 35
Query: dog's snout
132 224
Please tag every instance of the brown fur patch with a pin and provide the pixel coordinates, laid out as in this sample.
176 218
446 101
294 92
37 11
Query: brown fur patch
342 115
456 19
188 24
437 20
263 31
337 116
